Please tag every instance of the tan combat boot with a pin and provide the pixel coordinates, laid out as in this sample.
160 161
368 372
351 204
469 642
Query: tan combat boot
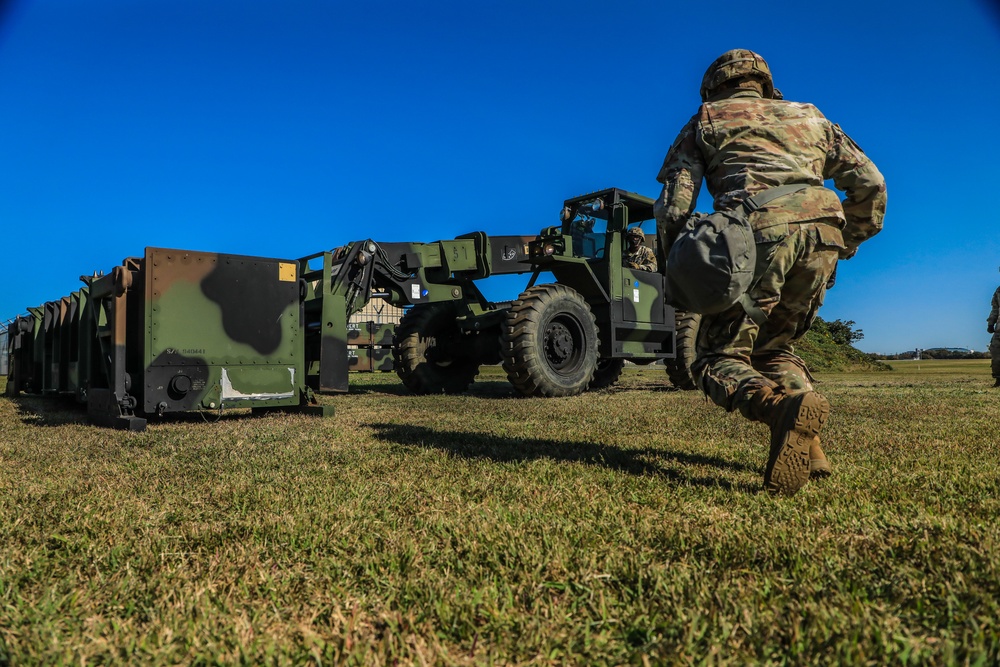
795 421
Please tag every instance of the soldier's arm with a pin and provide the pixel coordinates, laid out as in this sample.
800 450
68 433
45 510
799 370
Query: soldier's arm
650 260
856 175
681 174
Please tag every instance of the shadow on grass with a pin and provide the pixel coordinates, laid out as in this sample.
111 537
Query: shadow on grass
44 411
645 386
478 389
490 388
640 462
386 388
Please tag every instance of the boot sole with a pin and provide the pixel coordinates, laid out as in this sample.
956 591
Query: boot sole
788 466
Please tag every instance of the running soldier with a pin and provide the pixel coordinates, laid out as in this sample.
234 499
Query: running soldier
743 140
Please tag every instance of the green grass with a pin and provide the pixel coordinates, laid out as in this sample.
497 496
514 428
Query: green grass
623 526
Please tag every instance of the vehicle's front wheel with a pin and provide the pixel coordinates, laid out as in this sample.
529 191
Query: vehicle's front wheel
550 342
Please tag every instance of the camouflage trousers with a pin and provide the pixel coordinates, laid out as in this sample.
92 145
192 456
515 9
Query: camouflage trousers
735 356
995 353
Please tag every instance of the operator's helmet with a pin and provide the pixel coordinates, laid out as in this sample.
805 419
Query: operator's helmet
635 234
737 64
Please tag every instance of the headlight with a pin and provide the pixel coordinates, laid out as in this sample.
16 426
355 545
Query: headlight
549 249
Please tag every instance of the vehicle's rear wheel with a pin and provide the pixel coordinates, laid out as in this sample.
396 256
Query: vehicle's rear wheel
429 353
679 368
607 373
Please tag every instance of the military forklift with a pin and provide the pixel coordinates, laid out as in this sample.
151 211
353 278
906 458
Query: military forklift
577 332
557 338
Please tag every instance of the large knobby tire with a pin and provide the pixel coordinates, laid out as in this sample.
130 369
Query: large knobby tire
607 373
427 351
550 342
679 368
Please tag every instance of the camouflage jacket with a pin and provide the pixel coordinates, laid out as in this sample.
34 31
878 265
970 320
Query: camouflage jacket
995 311
744 144
643 258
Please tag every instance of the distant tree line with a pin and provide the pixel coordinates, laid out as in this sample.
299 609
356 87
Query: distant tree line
935 353
842 332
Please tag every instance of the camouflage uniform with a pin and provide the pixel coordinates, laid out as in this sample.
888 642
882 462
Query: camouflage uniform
640 257
991 327
743 142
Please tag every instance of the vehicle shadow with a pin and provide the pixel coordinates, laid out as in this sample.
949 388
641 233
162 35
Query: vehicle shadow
53 411
646 461
642 386
49 411
497 388
362 387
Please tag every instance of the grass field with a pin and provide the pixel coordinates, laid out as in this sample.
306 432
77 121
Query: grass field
623 526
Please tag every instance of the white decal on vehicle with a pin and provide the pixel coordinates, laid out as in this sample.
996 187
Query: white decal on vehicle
229 393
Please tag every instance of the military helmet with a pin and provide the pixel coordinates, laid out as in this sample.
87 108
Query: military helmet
737 64
636 233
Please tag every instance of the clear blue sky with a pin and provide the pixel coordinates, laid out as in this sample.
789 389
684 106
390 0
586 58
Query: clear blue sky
281 128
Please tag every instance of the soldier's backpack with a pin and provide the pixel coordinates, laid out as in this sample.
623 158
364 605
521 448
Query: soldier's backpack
710 267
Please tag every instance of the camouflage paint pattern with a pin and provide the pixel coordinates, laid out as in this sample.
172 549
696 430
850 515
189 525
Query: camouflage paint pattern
358 334
222 331
633 319
172 331
369 346
370 333
991 323
181 330
370 359
339 283
742 145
